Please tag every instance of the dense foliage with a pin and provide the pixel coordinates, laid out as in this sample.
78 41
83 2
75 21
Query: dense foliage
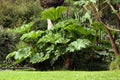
18 13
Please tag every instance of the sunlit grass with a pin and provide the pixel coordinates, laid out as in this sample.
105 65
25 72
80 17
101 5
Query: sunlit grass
59 75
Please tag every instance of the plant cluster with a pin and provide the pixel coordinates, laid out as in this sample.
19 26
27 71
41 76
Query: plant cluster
65 38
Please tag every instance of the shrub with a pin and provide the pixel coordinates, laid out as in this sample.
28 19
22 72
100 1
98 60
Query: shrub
115 65
2 40
19 12
7 39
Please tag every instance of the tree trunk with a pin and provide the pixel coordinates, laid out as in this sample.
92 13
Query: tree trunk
11 1
51 3
114 45
98 17
68 64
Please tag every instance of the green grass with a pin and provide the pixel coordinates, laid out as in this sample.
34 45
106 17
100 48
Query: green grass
59 75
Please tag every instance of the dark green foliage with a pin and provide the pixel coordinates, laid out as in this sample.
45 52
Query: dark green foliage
6 39
2 41
2 35
115 1
20 12
10 38
115 64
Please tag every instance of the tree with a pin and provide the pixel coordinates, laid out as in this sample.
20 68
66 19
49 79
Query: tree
97 14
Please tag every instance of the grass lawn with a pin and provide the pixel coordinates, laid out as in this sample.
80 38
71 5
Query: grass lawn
59 75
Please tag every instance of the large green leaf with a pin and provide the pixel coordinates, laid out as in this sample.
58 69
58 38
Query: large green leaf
52 13
79 44
47 38
11 55
93 1
65 23
87 16
72 26
39 57
31 36
24 28
21 54
54 38
78 30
